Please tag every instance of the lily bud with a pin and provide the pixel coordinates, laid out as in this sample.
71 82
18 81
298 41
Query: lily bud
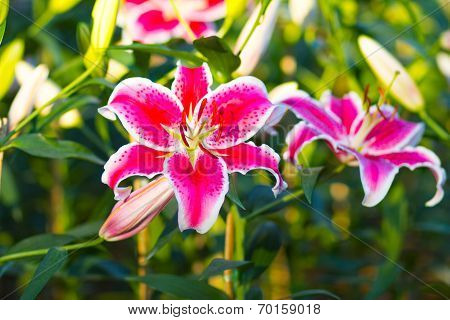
104 17
257 44
58 6
300 10
83 37
385 66
24 101
9 57
47 91
133 214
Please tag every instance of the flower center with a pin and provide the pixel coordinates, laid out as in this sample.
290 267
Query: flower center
369 121
194 128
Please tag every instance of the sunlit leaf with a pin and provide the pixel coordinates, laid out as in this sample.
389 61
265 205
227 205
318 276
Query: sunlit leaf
52 263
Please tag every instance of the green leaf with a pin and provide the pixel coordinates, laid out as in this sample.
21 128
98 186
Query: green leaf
313 293
233 195
41 241
60 108
89 229
218 266
262 249
169 231
181 287
393 229
161 50
220 57
309 179
83 36
52 263
2 31
37 145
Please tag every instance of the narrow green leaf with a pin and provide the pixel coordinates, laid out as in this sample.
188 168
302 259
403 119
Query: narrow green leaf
52 263
313 293
167 234
233 195
220 57
218 266
89 229
2 31
309 179
41 241
181 287
37 145
262 249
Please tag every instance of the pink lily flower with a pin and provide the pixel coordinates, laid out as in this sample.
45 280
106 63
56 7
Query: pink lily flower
192 136
377 140
154 21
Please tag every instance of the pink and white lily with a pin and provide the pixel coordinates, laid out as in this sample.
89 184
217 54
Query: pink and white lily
193 136
377 140
155 21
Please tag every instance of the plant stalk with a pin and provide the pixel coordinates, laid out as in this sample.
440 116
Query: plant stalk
41 252
229 253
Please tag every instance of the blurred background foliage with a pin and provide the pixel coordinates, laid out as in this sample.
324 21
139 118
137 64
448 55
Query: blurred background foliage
332 248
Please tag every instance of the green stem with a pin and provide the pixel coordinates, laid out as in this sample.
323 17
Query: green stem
287 198
161 50
255 24
60 95
183 22
441 132
41 252
40 23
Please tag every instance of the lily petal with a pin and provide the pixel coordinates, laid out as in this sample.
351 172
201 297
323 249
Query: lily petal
131 160
377 175
300 136
208 10
308 109
201 29
346 108
143 107
247 156
147 23
191 84
200 189
238 109
413 158
130 216
392 134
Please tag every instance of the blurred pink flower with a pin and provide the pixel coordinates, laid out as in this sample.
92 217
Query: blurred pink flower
154 21
191 135
377 140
